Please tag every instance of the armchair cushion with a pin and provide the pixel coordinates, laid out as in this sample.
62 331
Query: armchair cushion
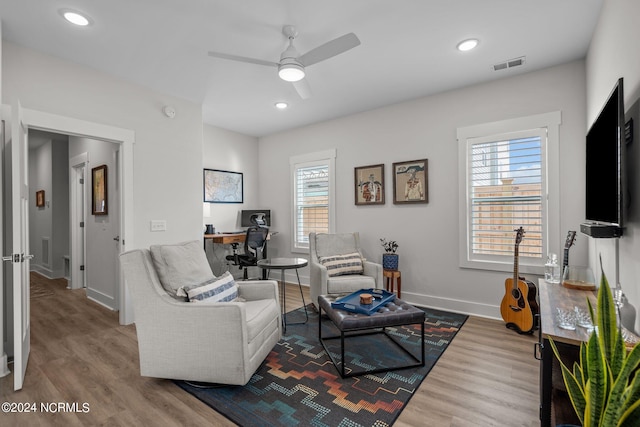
340 265
181 264
220 289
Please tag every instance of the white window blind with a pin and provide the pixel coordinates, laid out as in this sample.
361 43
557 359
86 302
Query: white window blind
505 192
311 201
313 205
509 177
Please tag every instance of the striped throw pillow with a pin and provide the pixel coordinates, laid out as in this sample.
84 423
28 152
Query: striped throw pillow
219 289
340 265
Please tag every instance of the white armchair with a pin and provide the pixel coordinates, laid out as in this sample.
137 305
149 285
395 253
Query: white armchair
322 282
216 342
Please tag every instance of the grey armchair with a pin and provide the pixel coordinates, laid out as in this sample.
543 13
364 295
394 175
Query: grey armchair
216 342
322 282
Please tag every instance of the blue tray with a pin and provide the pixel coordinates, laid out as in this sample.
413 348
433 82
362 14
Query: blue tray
352 302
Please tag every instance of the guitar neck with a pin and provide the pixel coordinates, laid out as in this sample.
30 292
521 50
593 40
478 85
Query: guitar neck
515 267
565 260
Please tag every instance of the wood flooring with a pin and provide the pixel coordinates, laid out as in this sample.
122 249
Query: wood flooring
80 354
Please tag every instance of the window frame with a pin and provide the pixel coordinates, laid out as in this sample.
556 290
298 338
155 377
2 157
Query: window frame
502 130
327 158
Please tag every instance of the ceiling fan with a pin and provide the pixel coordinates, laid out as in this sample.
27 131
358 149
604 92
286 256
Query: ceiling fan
292 65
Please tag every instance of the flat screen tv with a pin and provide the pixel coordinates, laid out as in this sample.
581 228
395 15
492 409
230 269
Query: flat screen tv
245 217
605 172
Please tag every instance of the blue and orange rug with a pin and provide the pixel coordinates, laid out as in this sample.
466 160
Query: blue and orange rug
297 385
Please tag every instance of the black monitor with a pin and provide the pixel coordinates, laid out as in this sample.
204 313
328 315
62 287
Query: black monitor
262 215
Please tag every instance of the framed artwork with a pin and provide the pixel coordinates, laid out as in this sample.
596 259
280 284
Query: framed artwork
40 198
369 185
99 195
223 186
410 182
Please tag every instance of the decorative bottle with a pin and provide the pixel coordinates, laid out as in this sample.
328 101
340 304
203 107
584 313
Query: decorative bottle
552 269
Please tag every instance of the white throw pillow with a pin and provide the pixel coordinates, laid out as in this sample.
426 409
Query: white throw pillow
340 265
220 289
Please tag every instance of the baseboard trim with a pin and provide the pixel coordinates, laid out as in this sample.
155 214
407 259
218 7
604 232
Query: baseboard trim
453 305
102 299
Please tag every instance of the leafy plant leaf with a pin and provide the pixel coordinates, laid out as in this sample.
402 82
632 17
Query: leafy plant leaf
606 317
598 384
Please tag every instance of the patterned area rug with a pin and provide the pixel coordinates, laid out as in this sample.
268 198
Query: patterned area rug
298 385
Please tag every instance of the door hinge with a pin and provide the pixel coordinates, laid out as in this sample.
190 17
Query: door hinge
81 224
81 180
82 268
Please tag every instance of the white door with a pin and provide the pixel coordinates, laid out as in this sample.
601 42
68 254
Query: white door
77 193
20 241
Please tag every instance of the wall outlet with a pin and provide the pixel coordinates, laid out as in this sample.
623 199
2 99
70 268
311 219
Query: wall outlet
158 225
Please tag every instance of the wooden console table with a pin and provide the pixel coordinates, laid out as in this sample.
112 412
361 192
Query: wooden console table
553 400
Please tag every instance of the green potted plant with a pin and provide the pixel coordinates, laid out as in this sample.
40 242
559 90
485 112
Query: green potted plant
604 385
390 257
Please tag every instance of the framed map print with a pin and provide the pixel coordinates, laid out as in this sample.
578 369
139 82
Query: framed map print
223 186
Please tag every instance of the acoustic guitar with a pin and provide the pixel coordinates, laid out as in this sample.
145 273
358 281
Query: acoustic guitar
519 307
571 237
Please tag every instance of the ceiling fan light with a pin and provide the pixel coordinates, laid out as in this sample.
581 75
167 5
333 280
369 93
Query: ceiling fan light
291 72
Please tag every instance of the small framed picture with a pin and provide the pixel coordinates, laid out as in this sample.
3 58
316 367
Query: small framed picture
369 185
40 198
223 186
99 197
410 182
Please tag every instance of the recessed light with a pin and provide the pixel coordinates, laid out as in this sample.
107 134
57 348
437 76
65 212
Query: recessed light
467 45
75 18
281 105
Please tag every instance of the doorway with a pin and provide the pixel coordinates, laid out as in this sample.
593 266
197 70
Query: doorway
123 140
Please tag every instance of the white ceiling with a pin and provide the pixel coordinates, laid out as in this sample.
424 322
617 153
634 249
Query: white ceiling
407 51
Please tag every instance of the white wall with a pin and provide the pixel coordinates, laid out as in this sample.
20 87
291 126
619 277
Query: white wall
167 152
612 54
230 151
100 230
40 218
59 202
426 128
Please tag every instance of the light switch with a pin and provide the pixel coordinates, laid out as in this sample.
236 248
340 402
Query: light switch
158 225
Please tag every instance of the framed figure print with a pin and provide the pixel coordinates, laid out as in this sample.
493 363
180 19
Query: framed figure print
369 185
223 186
99 196
40 198
410 182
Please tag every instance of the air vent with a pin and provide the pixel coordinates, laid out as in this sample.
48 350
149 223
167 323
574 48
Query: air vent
510 63
46 242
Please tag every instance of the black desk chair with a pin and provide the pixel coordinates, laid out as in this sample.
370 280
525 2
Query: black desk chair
254 249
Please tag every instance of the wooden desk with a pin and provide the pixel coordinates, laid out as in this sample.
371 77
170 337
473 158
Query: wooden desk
234 239
226 238
552 297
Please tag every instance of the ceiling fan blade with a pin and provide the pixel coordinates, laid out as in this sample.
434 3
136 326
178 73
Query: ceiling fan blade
303 88
243 59
329 49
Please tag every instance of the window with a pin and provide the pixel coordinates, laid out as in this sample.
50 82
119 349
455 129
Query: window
505 183
313 196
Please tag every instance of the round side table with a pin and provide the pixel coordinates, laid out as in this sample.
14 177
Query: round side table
283 264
